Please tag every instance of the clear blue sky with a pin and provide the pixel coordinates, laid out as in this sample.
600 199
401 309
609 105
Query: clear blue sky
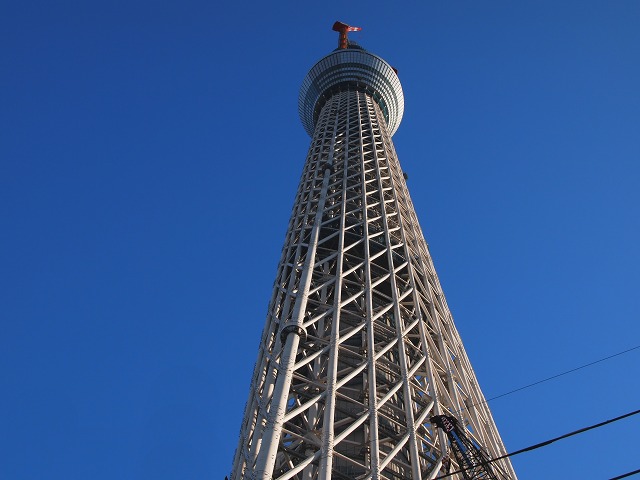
149 156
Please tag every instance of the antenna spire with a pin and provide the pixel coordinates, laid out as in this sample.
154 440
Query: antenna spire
343 28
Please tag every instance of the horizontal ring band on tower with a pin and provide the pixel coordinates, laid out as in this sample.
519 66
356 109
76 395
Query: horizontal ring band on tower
351 68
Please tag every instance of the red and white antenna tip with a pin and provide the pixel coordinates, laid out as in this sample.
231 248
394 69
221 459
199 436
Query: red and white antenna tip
343 28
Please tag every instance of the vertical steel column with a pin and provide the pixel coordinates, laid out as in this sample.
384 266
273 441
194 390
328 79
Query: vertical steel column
291 332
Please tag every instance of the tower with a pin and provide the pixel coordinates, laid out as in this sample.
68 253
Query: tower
359 352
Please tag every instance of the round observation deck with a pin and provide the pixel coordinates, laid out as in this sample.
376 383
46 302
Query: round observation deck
352 67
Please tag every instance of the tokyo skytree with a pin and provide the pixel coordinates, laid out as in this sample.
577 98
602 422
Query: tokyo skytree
361 373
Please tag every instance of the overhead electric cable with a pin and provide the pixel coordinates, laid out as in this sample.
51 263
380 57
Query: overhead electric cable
628 474
564 373
551 377
544 444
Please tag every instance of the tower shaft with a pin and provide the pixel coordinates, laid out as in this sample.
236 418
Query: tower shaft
359 350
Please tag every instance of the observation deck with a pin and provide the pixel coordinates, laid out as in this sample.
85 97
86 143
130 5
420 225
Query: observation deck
352 67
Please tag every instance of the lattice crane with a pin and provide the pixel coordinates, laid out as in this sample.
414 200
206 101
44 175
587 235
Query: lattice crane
472 460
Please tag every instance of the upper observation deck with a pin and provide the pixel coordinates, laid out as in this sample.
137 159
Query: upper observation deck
351 67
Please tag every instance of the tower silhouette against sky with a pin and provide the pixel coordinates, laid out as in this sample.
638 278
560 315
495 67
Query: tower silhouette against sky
359 357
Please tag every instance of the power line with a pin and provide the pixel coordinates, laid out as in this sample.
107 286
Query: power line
551 378
625 475
544 444
564 373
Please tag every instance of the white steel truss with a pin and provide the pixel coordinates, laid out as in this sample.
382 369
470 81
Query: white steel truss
359 349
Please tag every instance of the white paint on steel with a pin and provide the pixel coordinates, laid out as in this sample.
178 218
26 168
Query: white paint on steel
359 349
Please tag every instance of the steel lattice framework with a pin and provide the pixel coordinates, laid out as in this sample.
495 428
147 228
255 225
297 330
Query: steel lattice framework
359 349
